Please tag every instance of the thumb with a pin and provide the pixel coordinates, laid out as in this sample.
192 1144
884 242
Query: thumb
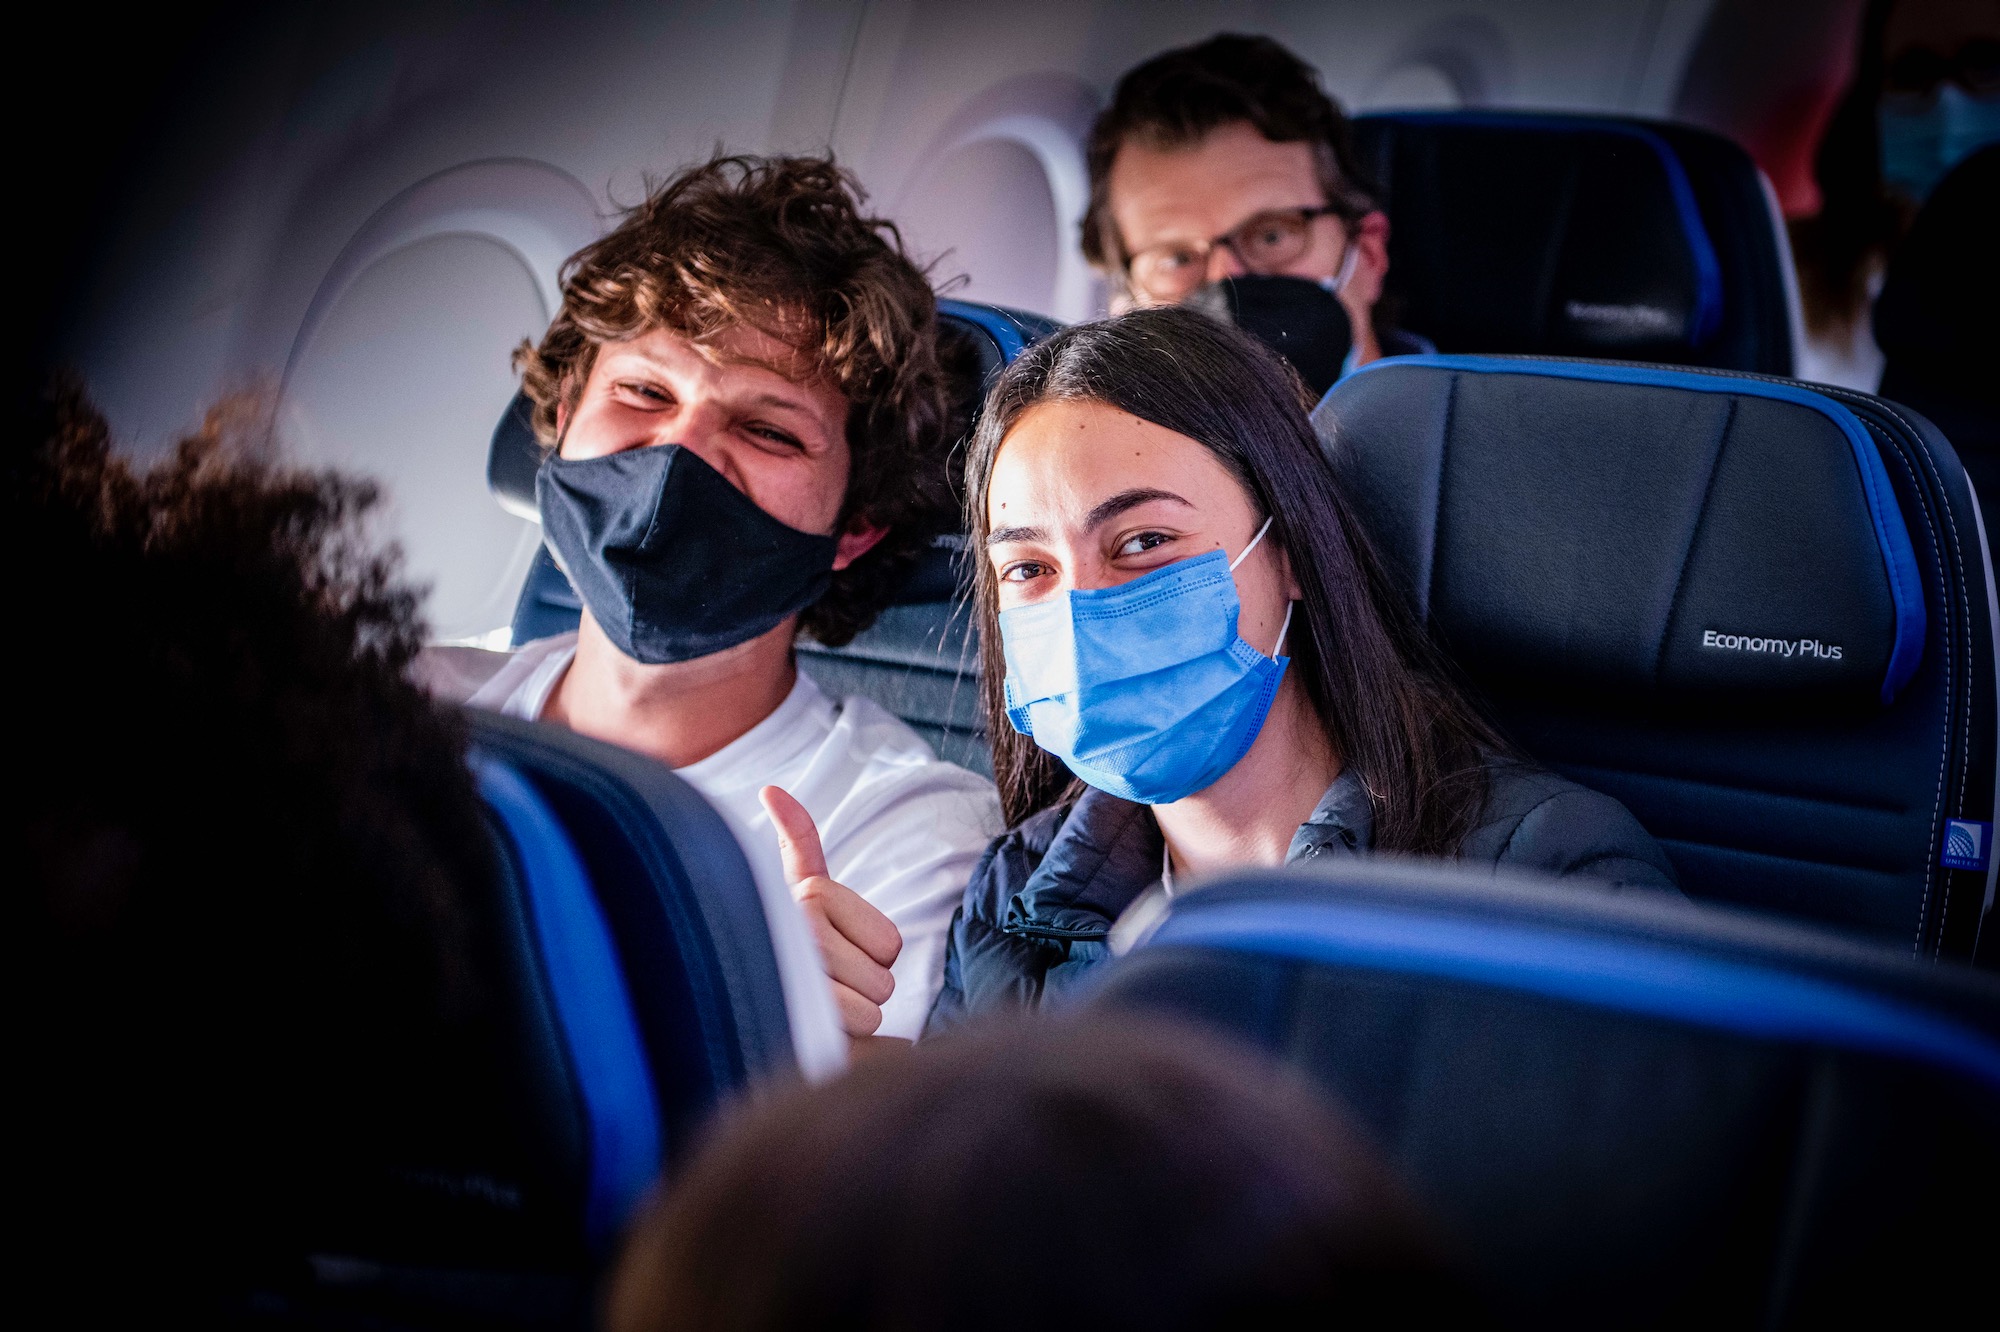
798 837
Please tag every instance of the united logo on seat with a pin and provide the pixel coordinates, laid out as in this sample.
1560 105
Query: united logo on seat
1966 844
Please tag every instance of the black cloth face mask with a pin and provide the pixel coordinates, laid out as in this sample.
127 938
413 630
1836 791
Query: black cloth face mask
1302 320
673 561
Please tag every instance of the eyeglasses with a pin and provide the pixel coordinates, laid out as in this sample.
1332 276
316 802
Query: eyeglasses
1263 245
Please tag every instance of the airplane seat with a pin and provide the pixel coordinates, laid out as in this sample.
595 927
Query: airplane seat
679 901
918 659
1761 614
1935 320
1540 234
638 989
1621 1112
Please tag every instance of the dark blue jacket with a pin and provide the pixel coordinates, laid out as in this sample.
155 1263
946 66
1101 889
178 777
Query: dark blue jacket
1043 898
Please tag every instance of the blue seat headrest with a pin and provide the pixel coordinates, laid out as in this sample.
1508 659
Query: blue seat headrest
999 333
1624 1109
1635 531
1652 956
1544 234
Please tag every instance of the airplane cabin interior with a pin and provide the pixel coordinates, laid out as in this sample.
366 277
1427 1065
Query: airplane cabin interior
1556 890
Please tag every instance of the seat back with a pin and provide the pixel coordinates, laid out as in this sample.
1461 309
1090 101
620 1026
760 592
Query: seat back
1759 614
681 907
917 660
1621 1112
636 989
920 659
1594 236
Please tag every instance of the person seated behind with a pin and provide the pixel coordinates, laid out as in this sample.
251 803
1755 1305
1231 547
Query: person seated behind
1226 158
1082 1174
247 918
1160 527
1923 95
747 429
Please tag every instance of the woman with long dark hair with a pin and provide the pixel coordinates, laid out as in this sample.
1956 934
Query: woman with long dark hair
1192 661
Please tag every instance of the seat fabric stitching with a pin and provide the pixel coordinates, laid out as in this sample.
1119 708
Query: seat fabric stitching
1694 535
1944 606
1437 501
1965 749
1945 755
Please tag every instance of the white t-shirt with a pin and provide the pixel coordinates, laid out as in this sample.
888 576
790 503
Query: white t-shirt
899 825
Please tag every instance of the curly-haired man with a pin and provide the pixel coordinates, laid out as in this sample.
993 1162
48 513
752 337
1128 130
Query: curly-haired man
747 421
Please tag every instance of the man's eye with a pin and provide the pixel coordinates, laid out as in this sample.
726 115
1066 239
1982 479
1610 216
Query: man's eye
650 394
782 438
1023 571
1141 542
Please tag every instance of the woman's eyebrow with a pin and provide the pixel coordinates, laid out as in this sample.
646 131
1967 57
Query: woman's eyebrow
1000 536
1110 508
1104 512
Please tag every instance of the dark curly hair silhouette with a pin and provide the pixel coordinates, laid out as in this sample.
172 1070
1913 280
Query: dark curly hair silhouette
244 932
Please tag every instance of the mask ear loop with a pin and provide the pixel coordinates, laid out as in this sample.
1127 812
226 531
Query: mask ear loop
1286 627
1338 281
1252 546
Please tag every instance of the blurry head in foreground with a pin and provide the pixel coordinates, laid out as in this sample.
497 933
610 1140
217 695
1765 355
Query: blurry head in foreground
1060 1175
246 842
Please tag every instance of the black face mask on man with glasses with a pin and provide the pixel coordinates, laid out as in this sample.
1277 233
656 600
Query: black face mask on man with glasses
1302 320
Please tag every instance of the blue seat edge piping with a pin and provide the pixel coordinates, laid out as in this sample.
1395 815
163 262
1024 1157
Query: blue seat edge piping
590 997
1000 326
1899 557
1622 974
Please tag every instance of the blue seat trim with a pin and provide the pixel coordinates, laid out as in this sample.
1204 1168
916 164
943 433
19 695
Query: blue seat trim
1000 326
1899 557
590 998
1627 975
1701 249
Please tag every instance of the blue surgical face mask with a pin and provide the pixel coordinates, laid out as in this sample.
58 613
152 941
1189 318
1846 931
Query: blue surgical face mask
1144 690
1919 148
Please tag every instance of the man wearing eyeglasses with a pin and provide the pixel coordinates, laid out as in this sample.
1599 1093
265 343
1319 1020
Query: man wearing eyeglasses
1227 158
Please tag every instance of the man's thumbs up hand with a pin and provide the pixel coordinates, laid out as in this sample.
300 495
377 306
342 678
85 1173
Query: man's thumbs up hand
857 943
